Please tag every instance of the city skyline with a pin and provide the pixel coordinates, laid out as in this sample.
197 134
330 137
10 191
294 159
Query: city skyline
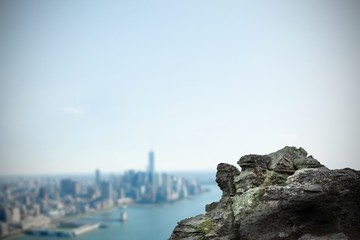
28 203
95 85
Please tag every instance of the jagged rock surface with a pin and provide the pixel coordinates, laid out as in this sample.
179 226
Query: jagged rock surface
283 195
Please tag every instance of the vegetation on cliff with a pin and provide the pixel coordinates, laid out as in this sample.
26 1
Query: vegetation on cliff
283 195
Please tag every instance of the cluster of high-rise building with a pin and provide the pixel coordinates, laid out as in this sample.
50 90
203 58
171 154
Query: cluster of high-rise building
31 202
153 187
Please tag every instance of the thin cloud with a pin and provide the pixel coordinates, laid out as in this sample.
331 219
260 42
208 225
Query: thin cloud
74 110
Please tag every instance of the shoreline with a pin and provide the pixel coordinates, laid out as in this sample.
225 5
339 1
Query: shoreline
55 221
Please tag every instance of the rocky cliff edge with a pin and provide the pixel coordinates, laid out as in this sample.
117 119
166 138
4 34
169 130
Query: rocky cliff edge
284 195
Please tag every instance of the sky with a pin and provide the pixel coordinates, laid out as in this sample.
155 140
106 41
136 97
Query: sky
88 85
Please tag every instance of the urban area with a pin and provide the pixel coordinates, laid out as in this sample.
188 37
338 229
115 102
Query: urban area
33 202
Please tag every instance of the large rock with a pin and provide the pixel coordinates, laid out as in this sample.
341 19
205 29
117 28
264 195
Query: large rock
225 178
283 195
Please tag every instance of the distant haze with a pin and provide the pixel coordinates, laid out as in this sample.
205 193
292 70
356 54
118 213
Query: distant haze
88 85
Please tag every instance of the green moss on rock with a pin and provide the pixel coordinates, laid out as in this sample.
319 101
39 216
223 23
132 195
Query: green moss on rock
205 227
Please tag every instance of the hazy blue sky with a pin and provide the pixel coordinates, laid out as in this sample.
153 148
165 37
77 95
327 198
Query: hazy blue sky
96 84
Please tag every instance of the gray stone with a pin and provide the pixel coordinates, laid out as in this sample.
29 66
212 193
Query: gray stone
225 178
283 195
211 206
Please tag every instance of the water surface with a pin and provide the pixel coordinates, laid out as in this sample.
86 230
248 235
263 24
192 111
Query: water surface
144 222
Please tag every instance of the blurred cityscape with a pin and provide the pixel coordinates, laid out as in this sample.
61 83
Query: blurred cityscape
32 202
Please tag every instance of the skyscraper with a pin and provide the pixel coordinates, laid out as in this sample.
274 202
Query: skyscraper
151 170
106 190
69 187
66 187
97 177
151 177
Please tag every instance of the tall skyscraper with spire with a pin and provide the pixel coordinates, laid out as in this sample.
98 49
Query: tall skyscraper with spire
151 176
151 170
